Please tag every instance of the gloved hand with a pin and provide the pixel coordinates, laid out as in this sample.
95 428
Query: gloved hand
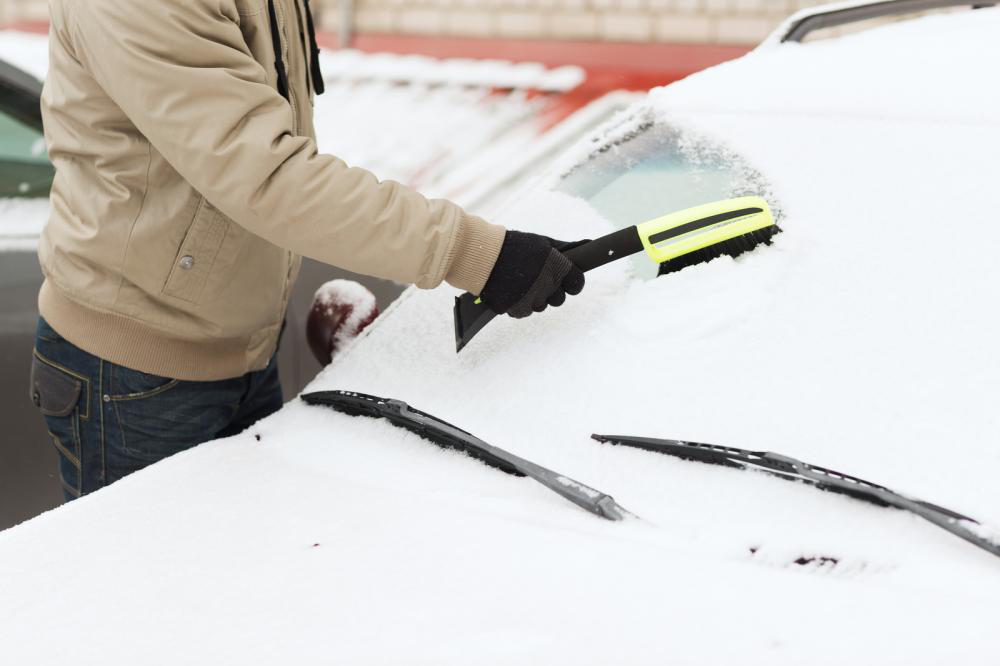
531 274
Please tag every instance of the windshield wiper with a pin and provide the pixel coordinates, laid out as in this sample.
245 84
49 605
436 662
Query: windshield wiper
448 436
820 477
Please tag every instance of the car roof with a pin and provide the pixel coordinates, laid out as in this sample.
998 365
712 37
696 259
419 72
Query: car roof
909 70
861 341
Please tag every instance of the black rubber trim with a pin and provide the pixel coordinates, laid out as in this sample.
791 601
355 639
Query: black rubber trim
832 19
701 224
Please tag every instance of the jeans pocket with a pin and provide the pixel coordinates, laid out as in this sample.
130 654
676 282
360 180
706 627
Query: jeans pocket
133 385
158 416
59 394
144 410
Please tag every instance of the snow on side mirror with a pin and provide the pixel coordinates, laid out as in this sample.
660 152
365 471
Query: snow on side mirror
341 309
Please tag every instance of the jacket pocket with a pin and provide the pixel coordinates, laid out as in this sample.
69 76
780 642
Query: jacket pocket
196 256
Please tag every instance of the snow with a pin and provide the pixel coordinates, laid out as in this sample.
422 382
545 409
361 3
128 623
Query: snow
860 341
347 293
21 222
26 51
355 66
456 129
942 61
988 532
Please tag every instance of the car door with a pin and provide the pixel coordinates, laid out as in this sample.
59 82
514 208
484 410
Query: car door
28 484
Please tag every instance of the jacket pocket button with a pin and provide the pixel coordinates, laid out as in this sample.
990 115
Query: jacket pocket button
187 261
36 398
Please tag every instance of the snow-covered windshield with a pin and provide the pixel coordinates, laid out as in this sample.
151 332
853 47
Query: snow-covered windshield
656 169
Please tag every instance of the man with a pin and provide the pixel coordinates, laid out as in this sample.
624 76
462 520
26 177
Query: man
187 182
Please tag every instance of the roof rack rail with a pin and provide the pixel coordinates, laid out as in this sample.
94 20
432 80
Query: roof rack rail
831 16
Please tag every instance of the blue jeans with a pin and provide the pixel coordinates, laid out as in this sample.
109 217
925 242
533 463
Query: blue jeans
107 421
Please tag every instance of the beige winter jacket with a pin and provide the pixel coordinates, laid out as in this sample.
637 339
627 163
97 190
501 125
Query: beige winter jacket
186 186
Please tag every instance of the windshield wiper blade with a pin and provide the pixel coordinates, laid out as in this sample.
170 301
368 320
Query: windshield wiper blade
791 469
448 436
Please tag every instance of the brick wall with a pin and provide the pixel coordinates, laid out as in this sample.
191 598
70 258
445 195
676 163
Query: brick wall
23 10
682 21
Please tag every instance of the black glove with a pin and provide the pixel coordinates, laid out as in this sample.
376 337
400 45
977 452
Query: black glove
531 274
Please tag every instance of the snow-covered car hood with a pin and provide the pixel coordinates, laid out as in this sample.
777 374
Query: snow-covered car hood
862 340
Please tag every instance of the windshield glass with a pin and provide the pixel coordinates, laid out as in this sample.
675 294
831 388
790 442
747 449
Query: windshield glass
25 170
654 170
657 170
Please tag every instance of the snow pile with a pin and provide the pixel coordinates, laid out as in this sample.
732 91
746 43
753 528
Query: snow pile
860 341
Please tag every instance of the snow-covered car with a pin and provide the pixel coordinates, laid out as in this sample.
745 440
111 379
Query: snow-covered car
862 340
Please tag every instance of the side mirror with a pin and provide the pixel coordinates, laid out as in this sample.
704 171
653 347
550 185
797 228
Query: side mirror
341 309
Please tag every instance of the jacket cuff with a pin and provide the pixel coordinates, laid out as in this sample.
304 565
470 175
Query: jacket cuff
474 253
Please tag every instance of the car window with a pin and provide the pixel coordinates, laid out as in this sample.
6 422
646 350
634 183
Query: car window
656 170
25 170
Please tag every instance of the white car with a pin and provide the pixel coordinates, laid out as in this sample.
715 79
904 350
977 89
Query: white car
862 340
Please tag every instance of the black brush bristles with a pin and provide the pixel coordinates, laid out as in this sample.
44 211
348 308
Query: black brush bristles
733 247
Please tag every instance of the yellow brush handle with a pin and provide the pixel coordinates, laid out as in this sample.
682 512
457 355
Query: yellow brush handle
685 231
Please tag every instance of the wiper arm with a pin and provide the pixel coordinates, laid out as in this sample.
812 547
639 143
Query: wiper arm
820 477
448 436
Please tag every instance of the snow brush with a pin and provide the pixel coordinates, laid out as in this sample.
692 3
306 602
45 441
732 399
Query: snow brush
675 241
